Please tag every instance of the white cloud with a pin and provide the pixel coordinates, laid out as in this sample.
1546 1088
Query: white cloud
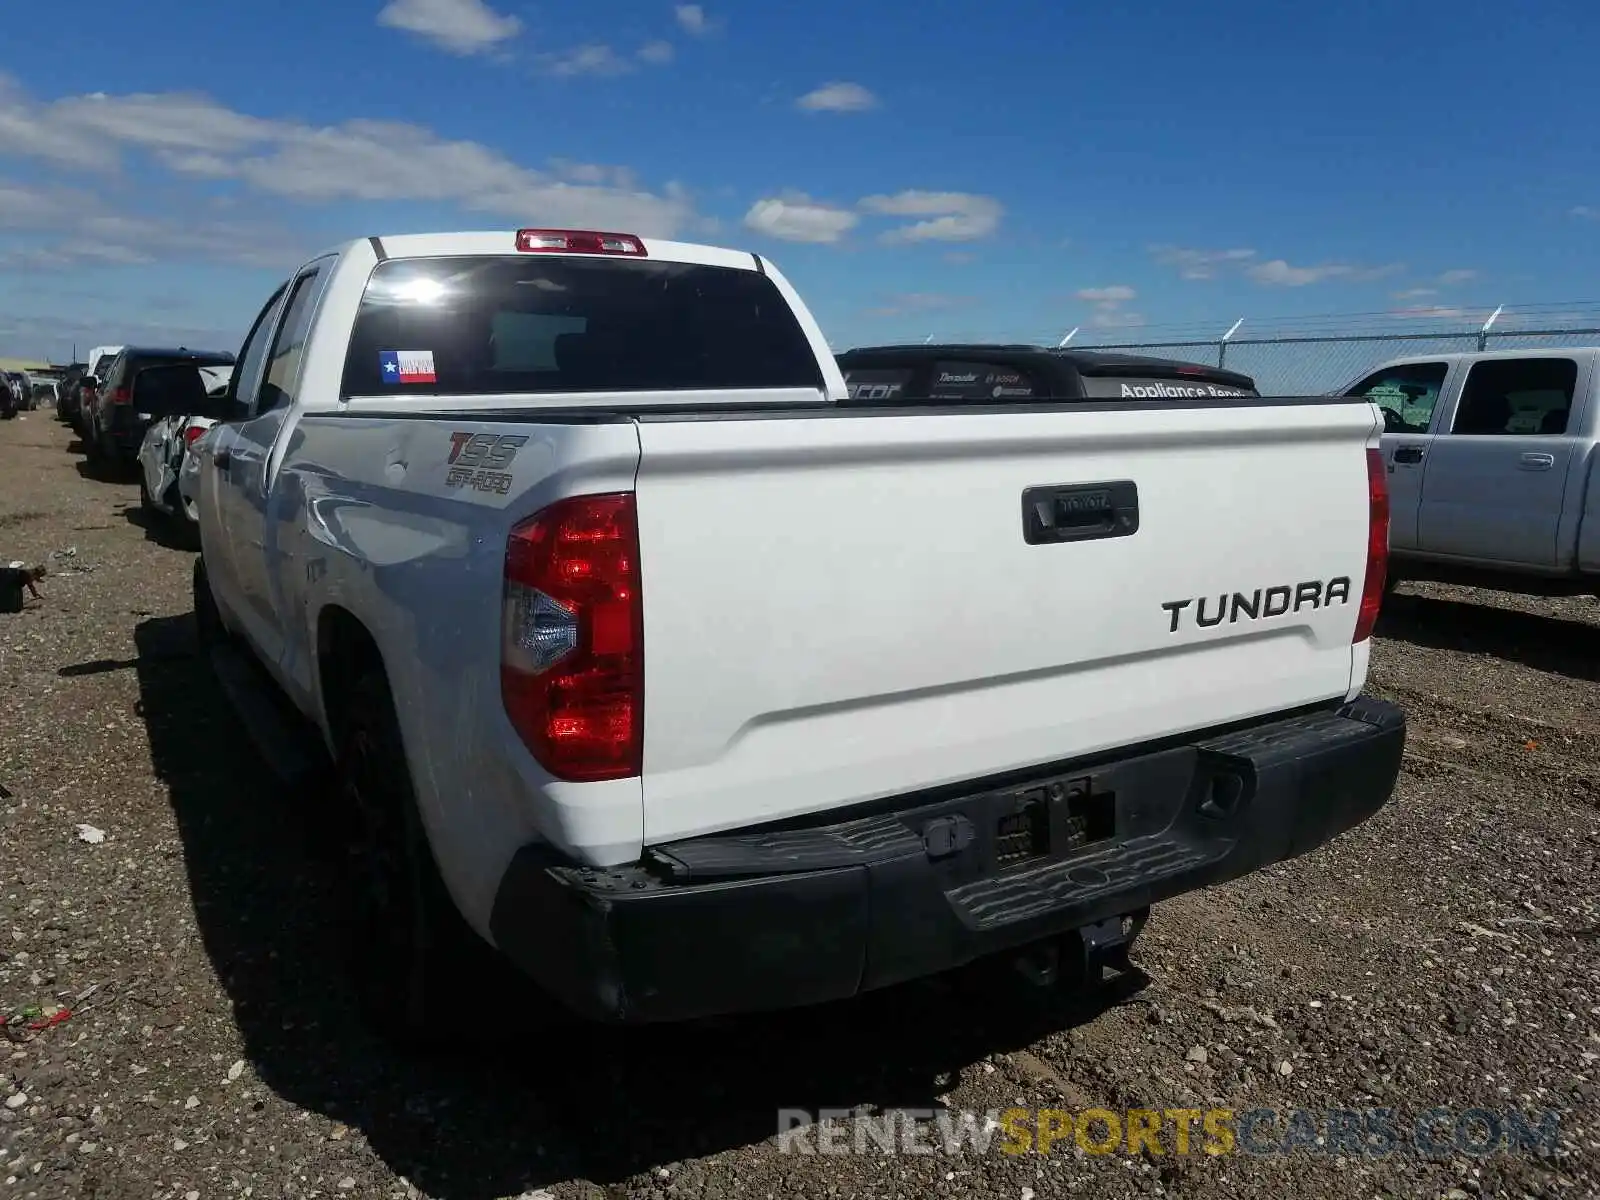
459 26
1438 312
1115 294
1208 264
1416 293
1108 302
1587 212
1112 317
594 59
838 98
952 216
1278 273
795 217
693 19
1459 275
81 227
354 160
905 303
1199 264
656 52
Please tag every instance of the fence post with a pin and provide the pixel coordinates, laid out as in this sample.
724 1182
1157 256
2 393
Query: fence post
1483 334
1222 346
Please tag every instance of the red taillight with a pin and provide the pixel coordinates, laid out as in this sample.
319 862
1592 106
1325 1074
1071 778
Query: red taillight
120 396
572 640
192 434
1377 545
577 241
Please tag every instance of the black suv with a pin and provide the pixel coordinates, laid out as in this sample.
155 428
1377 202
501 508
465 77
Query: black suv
112 429
1020 374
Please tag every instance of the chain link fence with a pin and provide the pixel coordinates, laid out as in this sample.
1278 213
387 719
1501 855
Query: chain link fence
1317 355
1310 356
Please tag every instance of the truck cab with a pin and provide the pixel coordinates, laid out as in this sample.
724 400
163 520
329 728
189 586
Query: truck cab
1491 466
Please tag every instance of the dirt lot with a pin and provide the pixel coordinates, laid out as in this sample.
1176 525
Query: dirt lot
1443 954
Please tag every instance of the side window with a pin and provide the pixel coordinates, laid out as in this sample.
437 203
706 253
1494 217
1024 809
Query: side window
1517 396
283 364
978 381
1406 395
247 374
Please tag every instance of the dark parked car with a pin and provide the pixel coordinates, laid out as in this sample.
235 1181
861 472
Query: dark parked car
113 430
67 393
85 392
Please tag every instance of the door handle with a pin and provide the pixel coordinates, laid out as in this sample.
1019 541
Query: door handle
1080 512
1534 461
222 459
1408 454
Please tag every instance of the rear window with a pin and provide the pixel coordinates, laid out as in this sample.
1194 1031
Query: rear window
496 325
134 363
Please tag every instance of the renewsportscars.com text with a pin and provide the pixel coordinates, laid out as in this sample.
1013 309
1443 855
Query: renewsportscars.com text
1370 1132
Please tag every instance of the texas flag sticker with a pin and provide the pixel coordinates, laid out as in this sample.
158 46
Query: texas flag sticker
406 366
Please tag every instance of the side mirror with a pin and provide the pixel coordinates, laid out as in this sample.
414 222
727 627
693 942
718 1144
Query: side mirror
88 381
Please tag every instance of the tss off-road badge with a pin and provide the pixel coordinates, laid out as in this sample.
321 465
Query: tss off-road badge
480 460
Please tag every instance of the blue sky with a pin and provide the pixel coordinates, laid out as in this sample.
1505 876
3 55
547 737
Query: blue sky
1010 169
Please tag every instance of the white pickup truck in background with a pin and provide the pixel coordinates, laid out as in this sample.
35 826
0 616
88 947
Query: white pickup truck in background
1493 476
643 660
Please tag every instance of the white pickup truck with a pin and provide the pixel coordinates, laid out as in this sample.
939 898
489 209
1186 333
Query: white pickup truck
1493 476
689 689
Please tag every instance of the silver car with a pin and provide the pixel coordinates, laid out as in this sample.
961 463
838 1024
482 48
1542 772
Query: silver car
164 450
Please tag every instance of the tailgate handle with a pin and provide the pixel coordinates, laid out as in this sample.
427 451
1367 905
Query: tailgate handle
1079 512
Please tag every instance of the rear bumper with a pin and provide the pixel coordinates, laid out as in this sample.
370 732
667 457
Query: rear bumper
801 914
124 431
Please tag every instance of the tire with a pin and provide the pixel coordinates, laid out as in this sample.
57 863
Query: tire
146 500
185 524
416 960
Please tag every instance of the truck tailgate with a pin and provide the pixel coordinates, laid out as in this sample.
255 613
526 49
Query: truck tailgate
841 607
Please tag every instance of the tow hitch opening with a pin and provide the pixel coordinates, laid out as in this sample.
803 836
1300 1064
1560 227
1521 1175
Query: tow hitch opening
1080 959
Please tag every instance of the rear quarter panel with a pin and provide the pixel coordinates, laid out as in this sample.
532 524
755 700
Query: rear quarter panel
370 523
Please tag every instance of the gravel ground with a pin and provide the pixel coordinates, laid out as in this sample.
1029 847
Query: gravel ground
1442 954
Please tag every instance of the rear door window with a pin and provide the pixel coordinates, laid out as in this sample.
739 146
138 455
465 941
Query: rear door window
498 325
283 362
1520 396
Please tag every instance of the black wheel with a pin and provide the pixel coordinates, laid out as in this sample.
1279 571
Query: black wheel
418 964
146 500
